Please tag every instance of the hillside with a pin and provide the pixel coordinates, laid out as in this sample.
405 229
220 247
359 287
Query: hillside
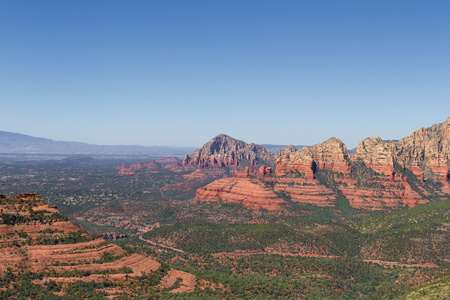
416 235
42 251
387 256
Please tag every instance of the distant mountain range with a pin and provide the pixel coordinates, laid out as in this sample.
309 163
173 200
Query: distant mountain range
20 143
24 144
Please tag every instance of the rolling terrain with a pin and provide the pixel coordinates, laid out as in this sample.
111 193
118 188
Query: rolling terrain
44 252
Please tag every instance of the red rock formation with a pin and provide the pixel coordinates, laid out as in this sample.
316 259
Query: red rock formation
417 171
380 183
300 161
245 174
224 151
428 149
28 196
331 155
250 193
131 170
263 171
56 260
121 166
305 190
388 189
377 155
383 194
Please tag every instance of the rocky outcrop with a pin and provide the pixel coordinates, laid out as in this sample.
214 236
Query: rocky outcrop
377 155
426 152
35 237
250 193
378 189
379 192
304 190
331 155
224 151
379 176
28 196
264 171
149 166
300 161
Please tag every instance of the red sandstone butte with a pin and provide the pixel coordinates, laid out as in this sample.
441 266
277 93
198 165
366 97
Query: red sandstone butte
250 193
131 170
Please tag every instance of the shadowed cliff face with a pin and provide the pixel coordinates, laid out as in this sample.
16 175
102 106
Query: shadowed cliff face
379 176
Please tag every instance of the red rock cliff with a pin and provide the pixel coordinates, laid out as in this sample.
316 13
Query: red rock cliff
225 151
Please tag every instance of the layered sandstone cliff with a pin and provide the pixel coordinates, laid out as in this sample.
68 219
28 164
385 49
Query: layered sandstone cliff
331 155
379 176
250 193
299 161
427 152
377 155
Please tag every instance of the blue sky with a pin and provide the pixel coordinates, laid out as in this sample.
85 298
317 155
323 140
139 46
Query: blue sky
178 73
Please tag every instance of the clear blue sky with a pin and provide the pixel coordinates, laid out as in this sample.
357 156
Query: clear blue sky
181 72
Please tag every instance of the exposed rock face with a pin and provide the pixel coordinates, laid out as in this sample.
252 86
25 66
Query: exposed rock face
391 191
381 175
263 171
250 193
300 161
285 150
305 190
427 151
331 155
377 155
225 151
